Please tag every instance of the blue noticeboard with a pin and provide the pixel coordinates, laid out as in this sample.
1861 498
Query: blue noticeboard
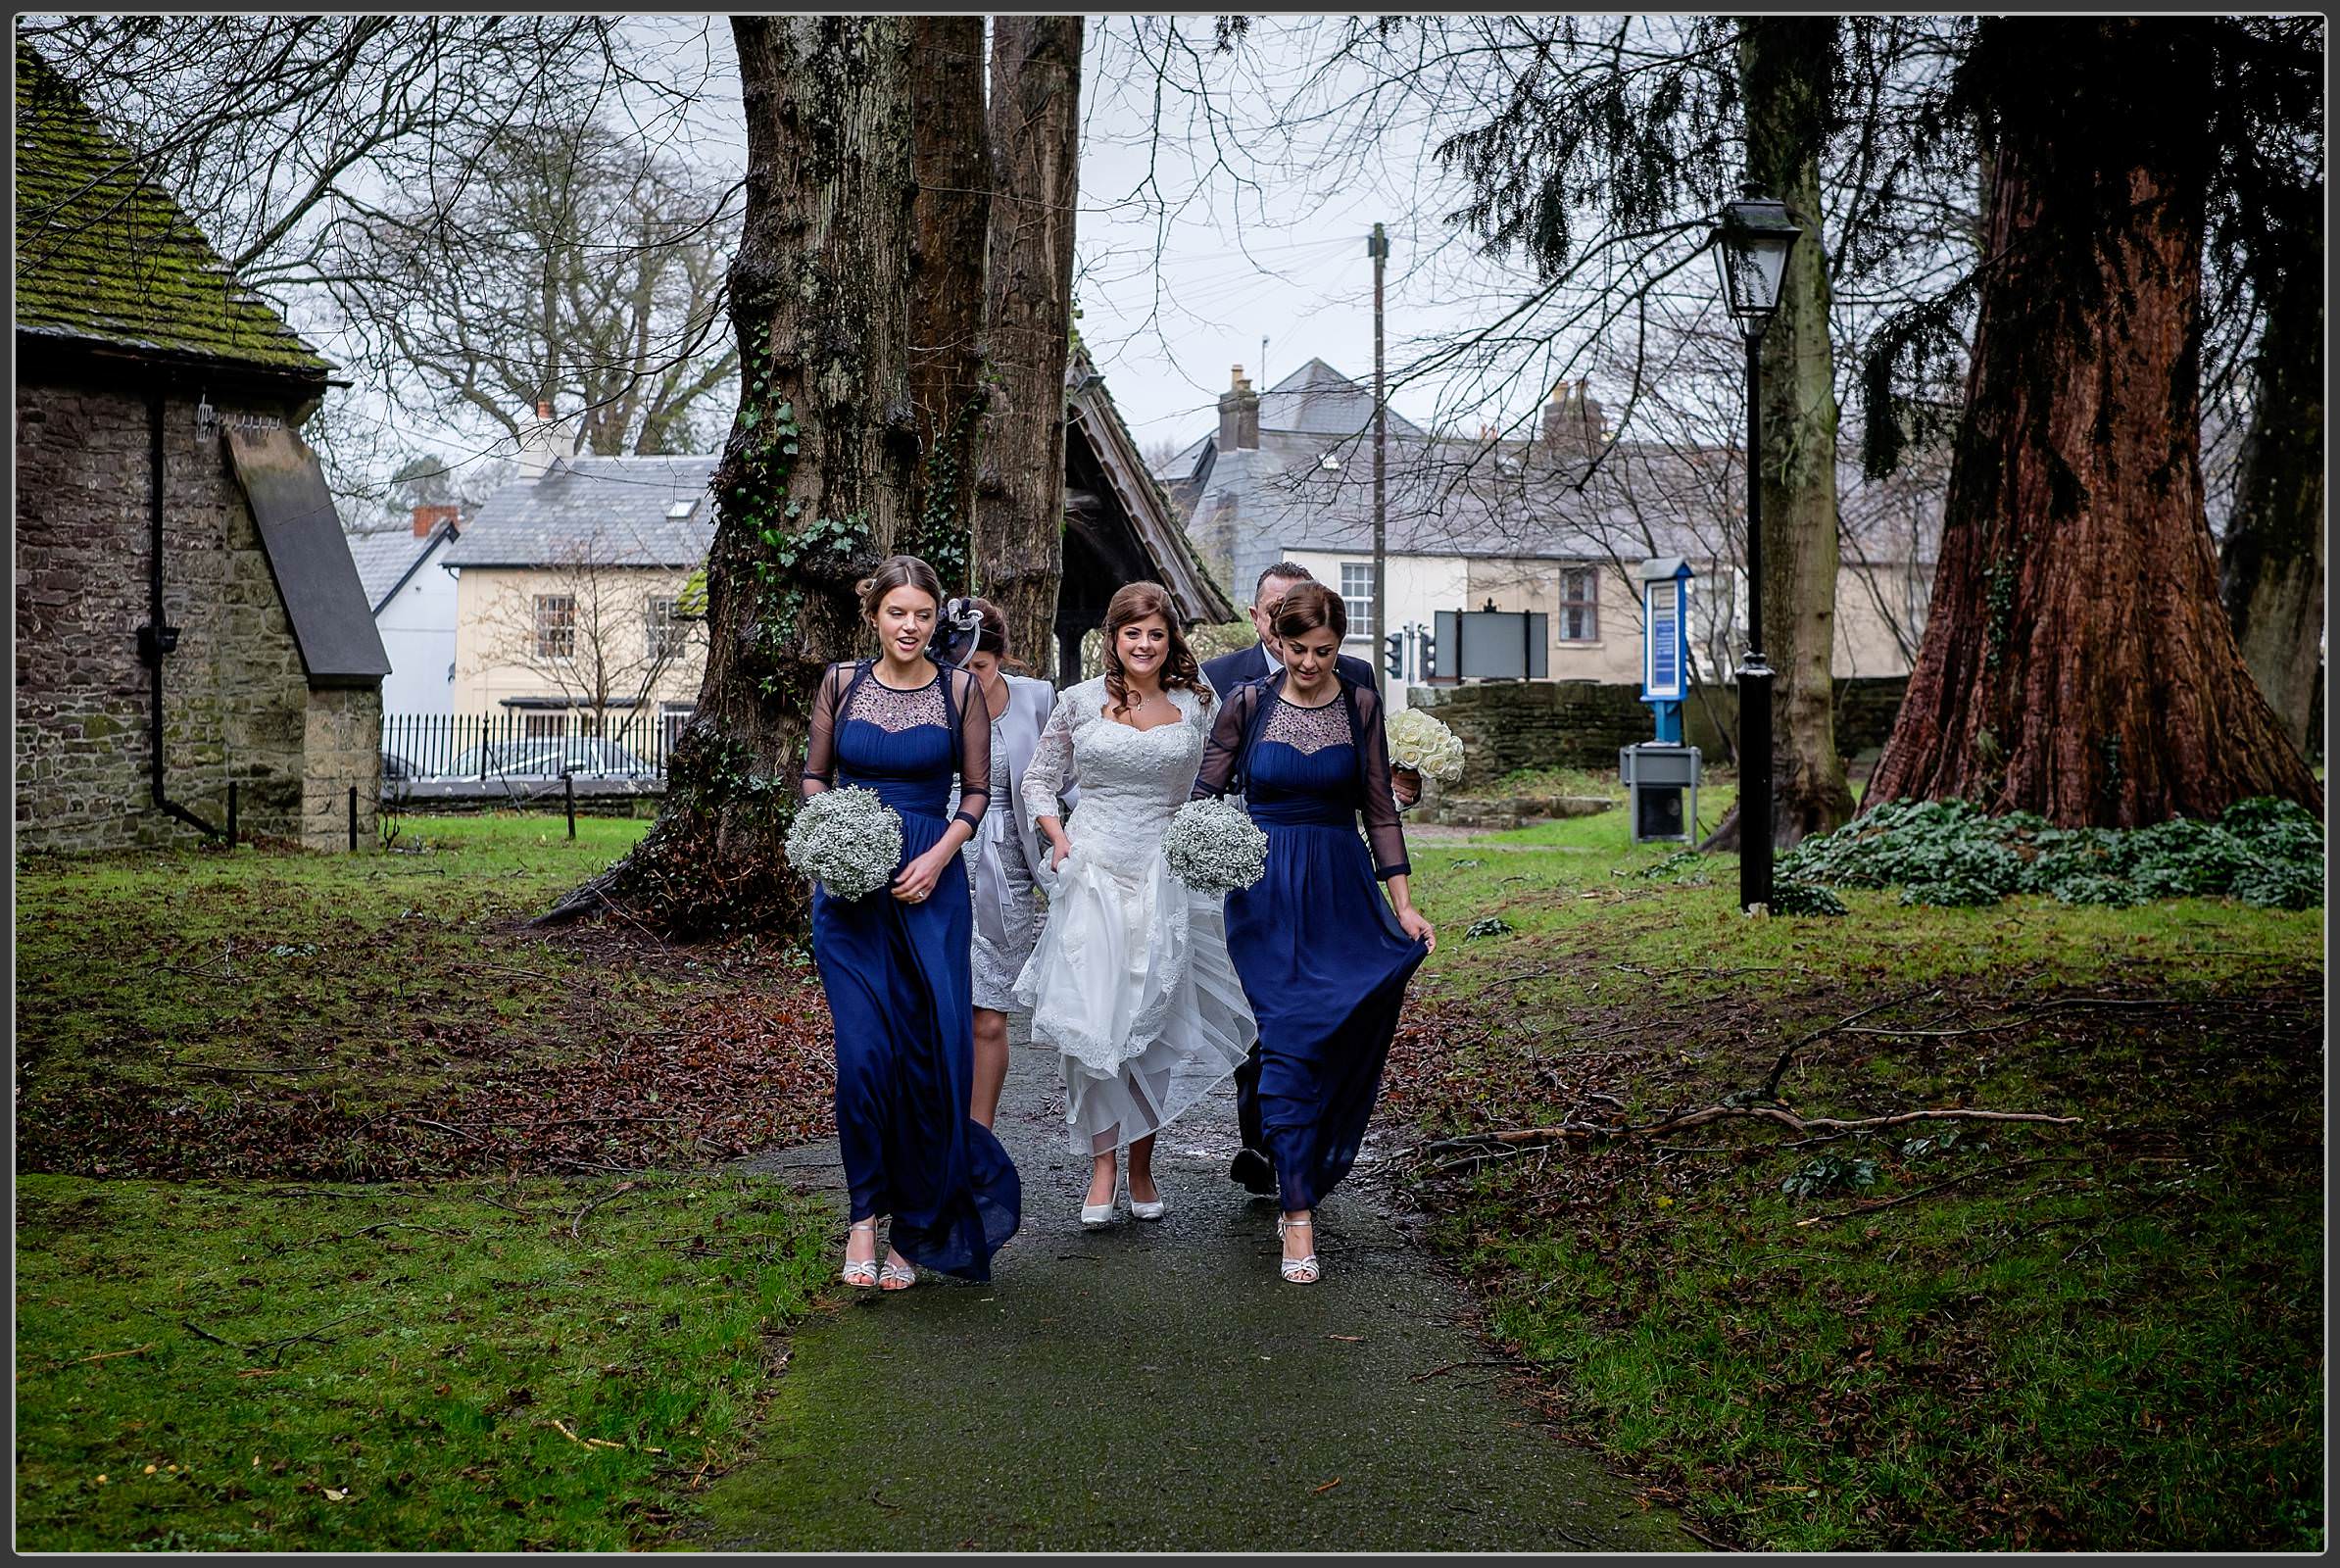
1665 642
1663 677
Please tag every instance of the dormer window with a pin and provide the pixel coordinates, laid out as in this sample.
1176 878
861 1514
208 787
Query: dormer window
1328 462
679 510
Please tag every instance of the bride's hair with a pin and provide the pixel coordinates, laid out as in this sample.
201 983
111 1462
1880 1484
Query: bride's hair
1133 602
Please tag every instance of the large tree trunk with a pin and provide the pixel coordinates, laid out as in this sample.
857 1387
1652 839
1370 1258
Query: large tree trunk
2076 660
1786 69
818 476
1019 504
2270 570
950 160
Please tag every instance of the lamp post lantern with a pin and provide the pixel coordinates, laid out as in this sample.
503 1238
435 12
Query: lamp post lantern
1751 240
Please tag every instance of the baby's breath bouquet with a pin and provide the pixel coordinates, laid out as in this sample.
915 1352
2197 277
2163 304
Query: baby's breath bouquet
1214 846
848 840
1423 744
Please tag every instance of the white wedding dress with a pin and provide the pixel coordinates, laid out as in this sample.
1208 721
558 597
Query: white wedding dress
1130 981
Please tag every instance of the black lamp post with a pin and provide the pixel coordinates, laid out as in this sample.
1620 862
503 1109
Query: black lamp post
1751 241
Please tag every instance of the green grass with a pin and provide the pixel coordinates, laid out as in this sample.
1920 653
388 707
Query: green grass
397 1360
2105 1336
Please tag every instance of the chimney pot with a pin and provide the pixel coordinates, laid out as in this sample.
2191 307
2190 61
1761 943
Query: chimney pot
544 408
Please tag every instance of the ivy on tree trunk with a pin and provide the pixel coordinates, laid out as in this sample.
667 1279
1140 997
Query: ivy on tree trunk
820 475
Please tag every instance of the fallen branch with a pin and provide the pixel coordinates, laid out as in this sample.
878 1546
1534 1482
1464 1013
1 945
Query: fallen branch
619 1191
107 1356
1771 1084
1510 1141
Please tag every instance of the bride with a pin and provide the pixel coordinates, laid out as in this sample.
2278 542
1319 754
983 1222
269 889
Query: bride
1130 981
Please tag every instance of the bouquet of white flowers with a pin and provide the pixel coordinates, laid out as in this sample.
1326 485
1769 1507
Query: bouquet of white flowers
1423 744
1214 846
848 840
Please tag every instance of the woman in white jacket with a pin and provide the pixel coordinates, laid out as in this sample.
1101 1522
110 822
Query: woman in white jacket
1006 846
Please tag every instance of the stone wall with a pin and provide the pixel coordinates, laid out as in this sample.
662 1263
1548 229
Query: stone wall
344 750
1506 726
237 700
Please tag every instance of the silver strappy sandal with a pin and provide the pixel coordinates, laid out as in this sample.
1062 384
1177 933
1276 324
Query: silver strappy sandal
1299 1270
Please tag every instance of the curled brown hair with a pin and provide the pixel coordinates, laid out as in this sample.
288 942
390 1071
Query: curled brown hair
1133 602
899 571
993 638
1306 606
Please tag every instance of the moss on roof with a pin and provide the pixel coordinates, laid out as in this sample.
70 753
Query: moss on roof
104 256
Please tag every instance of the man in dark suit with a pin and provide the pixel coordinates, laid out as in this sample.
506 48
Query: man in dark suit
1252 1166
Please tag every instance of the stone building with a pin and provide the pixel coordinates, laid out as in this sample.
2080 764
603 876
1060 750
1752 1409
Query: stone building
188 615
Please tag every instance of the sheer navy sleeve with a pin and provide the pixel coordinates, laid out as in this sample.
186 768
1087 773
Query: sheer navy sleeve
820 748
1381 829
974 747
1216 776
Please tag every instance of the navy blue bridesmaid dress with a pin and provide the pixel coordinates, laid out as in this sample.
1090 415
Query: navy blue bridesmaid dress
898 975
1322 957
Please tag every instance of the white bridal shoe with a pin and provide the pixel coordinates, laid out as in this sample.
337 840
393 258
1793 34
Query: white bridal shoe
1097 1216
1150 1210
1299 1270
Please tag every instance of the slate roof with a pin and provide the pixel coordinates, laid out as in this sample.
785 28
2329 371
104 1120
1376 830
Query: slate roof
1517 500
611 511
387 556
1090 414
1318 400
105 256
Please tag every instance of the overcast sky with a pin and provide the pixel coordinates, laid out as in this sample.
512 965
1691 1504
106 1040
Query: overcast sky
1192 243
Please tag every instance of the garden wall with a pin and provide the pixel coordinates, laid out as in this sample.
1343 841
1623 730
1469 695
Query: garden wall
1506 726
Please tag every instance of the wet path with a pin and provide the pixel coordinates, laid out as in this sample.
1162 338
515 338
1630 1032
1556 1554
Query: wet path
1158 1387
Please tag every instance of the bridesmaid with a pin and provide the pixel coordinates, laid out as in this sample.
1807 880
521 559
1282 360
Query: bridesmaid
895 964
1004 849
1324 957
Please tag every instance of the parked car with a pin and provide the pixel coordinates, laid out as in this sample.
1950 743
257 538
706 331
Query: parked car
550 758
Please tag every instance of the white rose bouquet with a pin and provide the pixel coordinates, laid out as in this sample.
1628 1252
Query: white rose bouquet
848 840
1423 744
1214 846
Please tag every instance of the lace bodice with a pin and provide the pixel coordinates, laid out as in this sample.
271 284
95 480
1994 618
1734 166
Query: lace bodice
922 737
1131 780
1307 730
894 711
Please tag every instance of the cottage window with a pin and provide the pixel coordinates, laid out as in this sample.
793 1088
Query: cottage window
664 628
556 626
544 726
1356 593
1579 605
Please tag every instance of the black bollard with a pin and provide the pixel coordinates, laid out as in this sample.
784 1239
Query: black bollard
569 787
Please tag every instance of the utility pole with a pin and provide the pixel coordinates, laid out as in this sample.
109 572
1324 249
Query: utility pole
1379 248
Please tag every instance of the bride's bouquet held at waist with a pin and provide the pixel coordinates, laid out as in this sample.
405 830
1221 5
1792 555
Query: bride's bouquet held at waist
847 839
1214 846
1420 742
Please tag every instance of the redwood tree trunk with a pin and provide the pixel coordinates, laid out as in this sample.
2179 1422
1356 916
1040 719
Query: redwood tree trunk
1019 503
2271 570
1786 69
819 472
2076 660
949 157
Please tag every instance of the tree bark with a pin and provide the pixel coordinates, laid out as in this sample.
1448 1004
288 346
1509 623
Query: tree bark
949 157
1019 503
2270 569
1786 66
2077 661
819 472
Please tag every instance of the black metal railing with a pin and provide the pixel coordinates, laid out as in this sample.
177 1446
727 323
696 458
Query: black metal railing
522 745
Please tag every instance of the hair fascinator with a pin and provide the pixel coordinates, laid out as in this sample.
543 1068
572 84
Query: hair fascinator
955 630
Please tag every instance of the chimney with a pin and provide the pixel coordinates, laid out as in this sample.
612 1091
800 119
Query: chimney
429 519
1239 416
1573 422
543 443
